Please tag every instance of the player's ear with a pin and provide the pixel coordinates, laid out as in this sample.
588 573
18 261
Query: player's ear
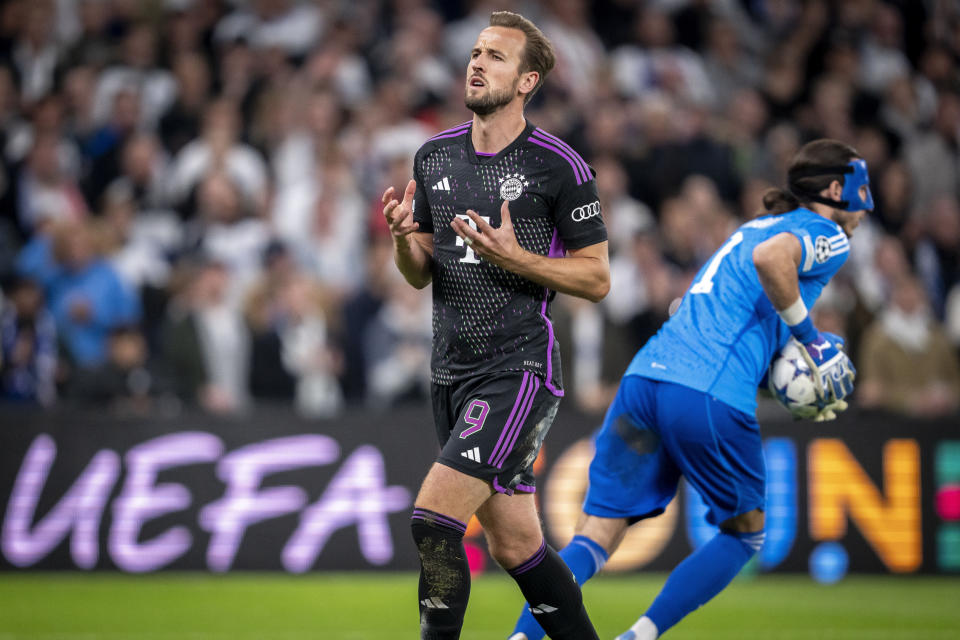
528 81
835 190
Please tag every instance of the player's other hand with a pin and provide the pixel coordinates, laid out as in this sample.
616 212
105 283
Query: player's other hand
399 213
498 246
832 369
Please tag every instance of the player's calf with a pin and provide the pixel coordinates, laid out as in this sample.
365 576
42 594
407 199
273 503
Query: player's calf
553 595
444 574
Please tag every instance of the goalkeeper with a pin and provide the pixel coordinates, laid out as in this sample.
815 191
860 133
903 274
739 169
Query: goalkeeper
687 404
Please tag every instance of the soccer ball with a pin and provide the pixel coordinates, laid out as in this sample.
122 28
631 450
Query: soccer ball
791 382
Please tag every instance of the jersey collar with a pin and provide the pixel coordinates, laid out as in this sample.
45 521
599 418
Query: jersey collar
475 159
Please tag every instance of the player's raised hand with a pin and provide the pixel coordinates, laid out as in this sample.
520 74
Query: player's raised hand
498 246
399 214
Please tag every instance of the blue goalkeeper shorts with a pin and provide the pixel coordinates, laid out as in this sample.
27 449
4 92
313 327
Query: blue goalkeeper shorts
656 431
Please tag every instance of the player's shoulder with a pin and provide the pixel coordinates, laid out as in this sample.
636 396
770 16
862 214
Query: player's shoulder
452 136
560 154
823 239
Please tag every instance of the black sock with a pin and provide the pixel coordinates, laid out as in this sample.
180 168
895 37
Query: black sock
444 574
554 596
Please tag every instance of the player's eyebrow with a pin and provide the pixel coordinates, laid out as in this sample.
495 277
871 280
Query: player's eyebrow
489 50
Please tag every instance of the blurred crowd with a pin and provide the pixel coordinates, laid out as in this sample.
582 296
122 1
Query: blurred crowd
189 189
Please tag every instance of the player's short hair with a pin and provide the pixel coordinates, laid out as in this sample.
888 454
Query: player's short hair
538 52
819 153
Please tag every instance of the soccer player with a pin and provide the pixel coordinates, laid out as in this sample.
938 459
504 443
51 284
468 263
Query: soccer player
687 403
499 215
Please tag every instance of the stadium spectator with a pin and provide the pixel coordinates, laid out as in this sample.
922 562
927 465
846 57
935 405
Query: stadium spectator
139 71
219 149
290 26
28 345
359 311
126 383
86 295
907 363
205 344
182 121
45 189
227 228
937 254
35 54
270 380
307 349
397 347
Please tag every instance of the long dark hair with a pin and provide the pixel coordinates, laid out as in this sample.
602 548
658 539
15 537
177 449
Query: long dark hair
800 186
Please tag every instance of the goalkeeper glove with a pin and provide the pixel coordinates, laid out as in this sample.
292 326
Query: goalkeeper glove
832 369
833 373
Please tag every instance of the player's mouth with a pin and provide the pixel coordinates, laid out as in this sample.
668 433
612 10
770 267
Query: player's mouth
476 81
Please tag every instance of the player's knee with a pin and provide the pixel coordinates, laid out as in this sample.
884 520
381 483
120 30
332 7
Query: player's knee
749 522
436 533
511 552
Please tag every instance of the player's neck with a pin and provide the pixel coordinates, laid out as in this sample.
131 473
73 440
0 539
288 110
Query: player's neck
821 209
492 133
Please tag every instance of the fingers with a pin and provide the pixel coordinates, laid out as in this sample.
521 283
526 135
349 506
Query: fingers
399 215
409 192
482 225
470 236
505 213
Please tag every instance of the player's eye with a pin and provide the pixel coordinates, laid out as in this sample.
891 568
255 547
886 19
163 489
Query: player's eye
496 57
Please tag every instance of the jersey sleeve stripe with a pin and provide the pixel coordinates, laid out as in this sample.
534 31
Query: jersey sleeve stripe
808 249
563 145
571 161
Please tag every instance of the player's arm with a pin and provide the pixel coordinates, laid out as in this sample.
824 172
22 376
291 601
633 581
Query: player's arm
777 261
412 250
583 272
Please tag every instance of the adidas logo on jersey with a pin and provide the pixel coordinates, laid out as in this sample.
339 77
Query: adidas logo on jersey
472 454
542 608
443 185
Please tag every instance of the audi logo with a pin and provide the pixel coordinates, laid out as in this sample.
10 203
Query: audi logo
586 212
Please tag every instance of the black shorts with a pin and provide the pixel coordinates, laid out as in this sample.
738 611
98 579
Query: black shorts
492 426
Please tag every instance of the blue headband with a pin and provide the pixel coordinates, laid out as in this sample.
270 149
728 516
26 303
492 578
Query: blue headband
854 176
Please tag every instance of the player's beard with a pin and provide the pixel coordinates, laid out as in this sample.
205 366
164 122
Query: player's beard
493 100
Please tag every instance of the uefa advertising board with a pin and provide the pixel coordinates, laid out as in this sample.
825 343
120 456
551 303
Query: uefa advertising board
271 491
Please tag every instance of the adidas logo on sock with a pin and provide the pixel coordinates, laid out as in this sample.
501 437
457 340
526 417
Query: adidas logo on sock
443 185
472 454
433 603
542 608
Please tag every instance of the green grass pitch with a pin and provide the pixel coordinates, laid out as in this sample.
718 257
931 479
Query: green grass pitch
381 606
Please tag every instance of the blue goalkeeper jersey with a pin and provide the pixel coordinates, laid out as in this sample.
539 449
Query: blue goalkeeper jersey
726 331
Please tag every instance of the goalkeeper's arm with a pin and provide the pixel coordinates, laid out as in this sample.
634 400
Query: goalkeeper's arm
777 261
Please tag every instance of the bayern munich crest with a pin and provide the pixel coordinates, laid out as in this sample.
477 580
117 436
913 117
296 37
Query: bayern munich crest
512 186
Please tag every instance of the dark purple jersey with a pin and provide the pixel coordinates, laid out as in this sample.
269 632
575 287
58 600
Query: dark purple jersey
486 319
